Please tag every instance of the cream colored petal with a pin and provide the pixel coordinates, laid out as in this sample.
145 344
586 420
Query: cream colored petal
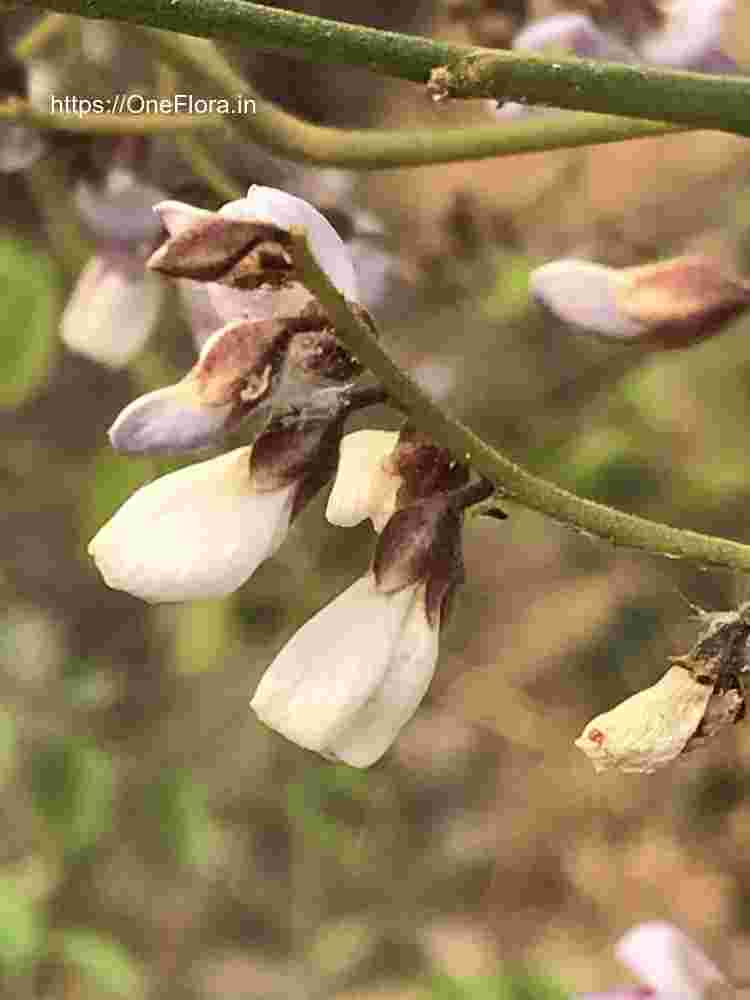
197 533
649 729
377 724
328 670
112 311
177 216
363 488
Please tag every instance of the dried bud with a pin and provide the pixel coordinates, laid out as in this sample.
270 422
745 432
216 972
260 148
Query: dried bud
699 696
670 304
649 729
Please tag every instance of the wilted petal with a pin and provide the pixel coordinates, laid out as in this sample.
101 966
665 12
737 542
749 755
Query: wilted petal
271 205
197 533
328 672
585 295
665 958
112 310
681 301
649 729
168 420
691 38
209 246
364 486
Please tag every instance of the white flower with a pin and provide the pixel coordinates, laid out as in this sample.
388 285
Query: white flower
197 533
365 486
348 681
113 309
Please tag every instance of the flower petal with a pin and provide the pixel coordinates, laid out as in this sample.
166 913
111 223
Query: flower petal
170 419
197 533
113 309
665 958
363 487
258 303
333 665
574 33
585 295
202 317
122 210
393 703
267 204
692 38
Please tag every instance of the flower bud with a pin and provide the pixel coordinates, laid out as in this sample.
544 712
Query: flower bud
652 727
670 304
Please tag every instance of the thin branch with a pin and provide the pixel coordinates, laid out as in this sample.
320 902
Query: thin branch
377 149
106 123
511 480
204 165
695 99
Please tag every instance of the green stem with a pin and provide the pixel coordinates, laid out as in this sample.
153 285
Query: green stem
511 480
694 99
374 149
16 110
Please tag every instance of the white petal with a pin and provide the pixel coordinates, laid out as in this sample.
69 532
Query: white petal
284 210
197 533
168 419
177 216
112 310
330 668
363 488
584 294
377 724
667 960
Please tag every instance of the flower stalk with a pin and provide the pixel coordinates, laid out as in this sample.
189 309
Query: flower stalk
453 70
513 481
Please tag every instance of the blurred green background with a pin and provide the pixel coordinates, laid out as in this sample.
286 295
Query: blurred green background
155 839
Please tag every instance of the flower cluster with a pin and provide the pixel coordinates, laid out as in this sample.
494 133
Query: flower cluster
354 674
